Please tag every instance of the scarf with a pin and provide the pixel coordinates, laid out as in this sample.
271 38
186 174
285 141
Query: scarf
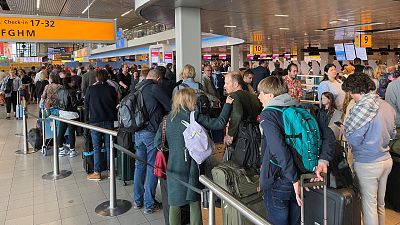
362 113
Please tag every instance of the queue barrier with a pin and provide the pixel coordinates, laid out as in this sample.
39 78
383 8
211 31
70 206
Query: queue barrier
114 206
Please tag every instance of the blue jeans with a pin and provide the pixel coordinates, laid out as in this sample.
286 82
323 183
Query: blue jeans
281 204
146 150
97 139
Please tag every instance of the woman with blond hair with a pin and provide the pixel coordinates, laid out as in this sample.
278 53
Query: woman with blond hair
188 74
180 163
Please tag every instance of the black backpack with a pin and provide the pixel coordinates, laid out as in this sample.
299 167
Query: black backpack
203 104
132 113
246 150
9 86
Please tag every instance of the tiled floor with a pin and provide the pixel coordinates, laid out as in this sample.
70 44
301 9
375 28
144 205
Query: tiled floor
25 198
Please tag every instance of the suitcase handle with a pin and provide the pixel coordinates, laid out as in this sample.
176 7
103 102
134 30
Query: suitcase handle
305 182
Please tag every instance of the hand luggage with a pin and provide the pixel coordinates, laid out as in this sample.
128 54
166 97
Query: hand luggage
125 167
233 179
35 138
19 108
392 197
336 206
88 161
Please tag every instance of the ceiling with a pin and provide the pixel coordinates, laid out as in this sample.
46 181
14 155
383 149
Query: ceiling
298 30
103 9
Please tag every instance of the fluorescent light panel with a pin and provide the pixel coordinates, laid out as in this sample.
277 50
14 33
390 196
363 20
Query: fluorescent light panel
230 26
37 4
281 15
126 13
284 28
86 9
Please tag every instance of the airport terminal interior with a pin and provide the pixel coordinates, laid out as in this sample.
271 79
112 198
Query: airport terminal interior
75 72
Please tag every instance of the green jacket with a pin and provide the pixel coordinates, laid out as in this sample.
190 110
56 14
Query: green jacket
246 107
185 170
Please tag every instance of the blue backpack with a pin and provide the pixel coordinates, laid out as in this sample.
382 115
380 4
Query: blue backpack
303 136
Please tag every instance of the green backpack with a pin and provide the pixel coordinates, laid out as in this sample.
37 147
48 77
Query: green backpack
303 136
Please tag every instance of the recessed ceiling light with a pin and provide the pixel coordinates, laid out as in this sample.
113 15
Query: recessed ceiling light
230 26
333 22
281 15
211 31
146 21
343 20
284 28
140 24
125 29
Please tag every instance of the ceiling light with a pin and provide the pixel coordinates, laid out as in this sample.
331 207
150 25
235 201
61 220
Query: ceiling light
333 22
348 26
86 9
211 31
126 13
37 4
230 26
284 28
281 15
385 31
343 20
140 24
146 21
125 29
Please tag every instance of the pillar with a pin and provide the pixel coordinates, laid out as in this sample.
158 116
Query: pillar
236 58
188 39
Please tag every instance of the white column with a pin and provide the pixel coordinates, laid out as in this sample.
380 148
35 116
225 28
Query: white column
188 39
236 58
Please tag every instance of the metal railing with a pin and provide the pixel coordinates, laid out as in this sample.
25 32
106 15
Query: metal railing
114 206
232 201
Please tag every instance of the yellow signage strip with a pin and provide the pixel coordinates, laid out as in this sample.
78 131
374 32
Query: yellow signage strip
56 29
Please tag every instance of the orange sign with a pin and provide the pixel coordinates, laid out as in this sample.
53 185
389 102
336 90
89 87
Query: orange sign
53 29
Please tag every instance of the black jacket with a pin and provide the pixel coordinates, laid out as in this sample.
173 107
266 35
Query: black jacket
157 103
259 73
66 99
101 100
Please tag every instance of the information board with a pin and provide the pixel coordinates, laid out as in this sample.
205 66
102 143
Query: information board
350 51
56 29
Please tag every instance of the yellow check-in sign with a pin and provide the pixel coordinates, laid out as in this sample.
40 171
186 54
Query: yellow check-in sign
56 29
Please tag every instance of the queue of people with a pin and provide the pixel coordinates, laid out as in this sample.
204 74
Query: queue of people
350 110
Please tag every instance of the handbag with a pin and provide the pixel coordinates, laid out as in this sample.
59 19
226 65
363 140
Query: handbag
160 165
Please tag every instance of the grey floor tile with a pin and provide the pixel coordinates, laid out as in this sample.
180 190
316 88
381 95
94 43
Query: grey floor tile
28 220
20 203
41 208
72 211
132 219
19 212
46 217
113 221
81 220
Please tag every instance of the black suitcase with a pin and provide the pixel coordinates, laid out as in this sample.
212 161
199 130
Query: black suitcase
88 161
35 138
343 206
392 197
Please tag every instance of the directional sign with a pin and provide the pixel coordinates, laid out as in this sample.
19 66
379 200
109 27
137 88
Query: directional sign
56 29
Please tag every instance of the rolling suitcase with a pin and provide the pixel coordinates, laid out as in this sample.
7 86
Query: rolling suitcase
233 179
392 197
340 206
19 108
88 161
125 167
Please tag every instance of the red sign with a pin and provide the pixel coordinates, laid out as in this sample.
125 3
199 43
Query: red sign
222 56
168 57
250 57
207 57
1 48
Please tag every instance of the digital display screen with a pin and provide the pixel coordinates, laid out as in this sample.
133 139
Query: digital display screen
362 53
350 51
340 54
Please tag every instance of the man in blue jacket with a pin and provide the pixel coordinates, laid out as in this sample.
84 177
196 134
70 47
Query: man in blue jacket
280 184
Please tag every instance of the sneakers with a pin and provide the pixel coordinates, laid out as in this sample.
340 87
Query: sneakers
62 152
137 206
94 176
156 207
73 153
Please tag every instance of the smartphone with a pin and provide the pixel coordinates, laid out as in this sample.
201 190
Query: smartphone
338 123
